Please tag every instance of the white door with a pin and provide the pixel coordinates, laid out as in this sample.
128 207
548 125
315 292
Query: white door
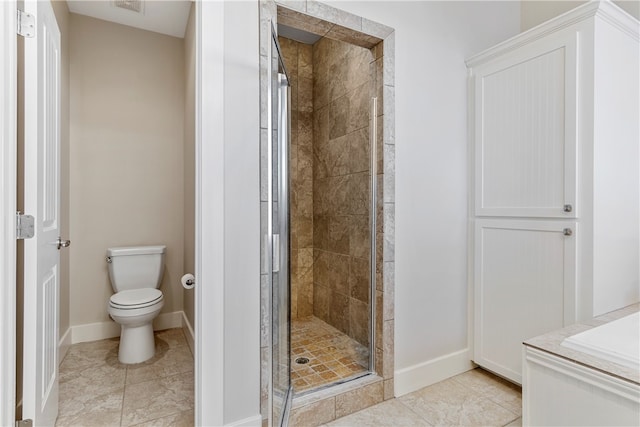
8 109
524 286
42 200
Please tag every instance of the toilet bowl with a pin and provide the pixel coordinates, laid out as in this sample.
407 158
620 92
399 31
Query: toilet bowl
136 274
135 314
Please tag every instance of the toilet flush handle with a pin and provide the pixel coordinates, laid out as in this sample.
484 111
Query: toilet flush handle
108 260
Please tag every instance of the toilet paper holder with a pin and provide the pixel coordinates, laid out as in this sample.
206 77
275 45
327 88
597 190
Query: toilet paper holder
188 281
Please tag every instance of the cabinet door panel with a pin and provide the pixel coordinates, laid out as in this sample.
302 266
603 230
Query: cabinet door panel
524 285
525 134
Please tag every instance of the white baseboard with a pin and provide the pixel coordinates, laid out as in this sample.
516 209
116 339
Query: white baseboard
110 329
168 321
94 331
430 372
254 421
63 345
189 333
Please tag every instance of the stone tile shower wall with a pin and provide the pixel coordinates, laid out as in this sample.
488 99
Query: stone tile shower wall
342 90
330 178
298 61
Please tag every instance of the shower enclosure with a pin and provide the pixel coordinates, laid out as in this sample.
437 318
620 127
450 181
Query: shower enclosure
277 245
322 215
327 314
332 207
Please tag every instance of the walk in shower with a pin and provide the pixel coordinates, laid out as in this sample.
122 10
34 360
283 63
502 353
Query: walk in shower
327 318
332 198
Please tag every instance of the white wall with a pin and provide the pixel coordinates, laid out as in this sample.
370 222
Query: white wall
241 211
432 41
228 222
534 12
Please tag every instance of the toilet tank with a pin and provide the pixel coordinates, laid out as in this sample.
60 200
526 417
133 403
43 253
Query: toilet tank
136 267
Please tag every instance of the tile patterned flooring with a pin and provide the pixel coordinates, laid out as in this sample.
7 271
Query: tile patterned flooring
333 356
474 398
97 390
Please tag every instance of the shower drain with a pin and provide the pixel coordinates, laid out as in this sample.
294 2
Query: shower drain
302 360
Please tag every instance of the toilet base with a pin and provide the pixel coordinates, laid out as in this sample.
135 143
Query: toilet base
136 344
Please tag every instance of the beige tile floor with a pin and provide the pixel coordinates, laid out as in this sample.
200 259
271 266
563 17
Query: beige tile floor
333 356
97 390
475 398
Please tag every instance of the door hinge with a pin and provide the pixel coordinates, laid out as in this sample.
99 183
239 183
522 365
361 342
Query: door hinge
24 226
25 24
24 423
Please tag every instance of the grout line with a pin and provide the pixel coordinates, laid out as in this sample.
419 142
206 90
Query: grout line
512 420
155 419
506 408
124 391
412 410
100 361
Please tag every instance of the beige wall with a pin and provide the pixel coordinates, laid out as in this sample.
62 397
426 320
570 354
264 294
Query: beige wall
534 12
189 161
298 59
126 156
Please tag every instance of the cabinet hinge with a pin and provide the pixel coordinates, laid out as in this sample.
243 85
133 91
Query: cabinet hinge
24 226
24 423
25 24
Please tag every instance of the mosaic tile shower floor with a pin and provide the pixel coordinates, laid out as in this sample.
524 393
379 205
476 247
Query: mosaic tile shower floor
97 390
333 356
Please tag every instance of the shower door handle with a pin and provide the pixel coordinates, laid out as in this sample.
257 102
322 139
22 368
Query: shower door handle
276 253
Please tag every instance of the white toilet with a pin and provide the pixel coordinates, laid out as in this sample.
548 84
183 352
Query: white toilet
136 273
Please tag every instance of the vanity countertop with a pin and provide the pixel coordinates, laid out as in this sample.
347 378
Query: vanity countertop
552 343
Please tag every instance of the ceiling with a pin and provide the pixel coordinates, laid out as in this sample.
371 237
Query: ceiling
160 16
297 34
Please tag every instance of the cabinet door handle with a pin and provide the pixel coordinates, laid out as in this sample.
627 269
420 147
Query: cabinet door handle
568 208
567 232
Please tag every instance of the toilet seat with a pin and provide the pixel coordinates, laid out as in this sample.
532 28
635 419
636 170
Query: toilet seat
135 298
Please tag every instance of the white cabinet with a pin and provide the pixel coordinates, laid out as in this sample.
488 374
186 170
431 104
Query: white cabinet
525 133
525 286
554 218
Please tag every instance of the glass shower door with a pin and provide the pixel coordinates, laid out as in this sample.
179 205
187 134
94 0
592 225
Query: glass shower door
278 234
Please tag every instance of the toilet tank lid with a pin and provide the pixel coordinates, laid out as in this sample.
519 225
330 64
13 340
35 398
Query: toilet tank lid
136 250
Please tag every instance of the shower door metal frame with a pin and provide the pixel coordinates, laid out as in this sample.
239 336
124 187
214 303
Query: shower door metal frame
279 263
373 212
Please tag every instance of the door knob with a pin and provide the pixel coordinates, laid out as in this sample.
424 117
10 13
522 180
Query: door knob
63 243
